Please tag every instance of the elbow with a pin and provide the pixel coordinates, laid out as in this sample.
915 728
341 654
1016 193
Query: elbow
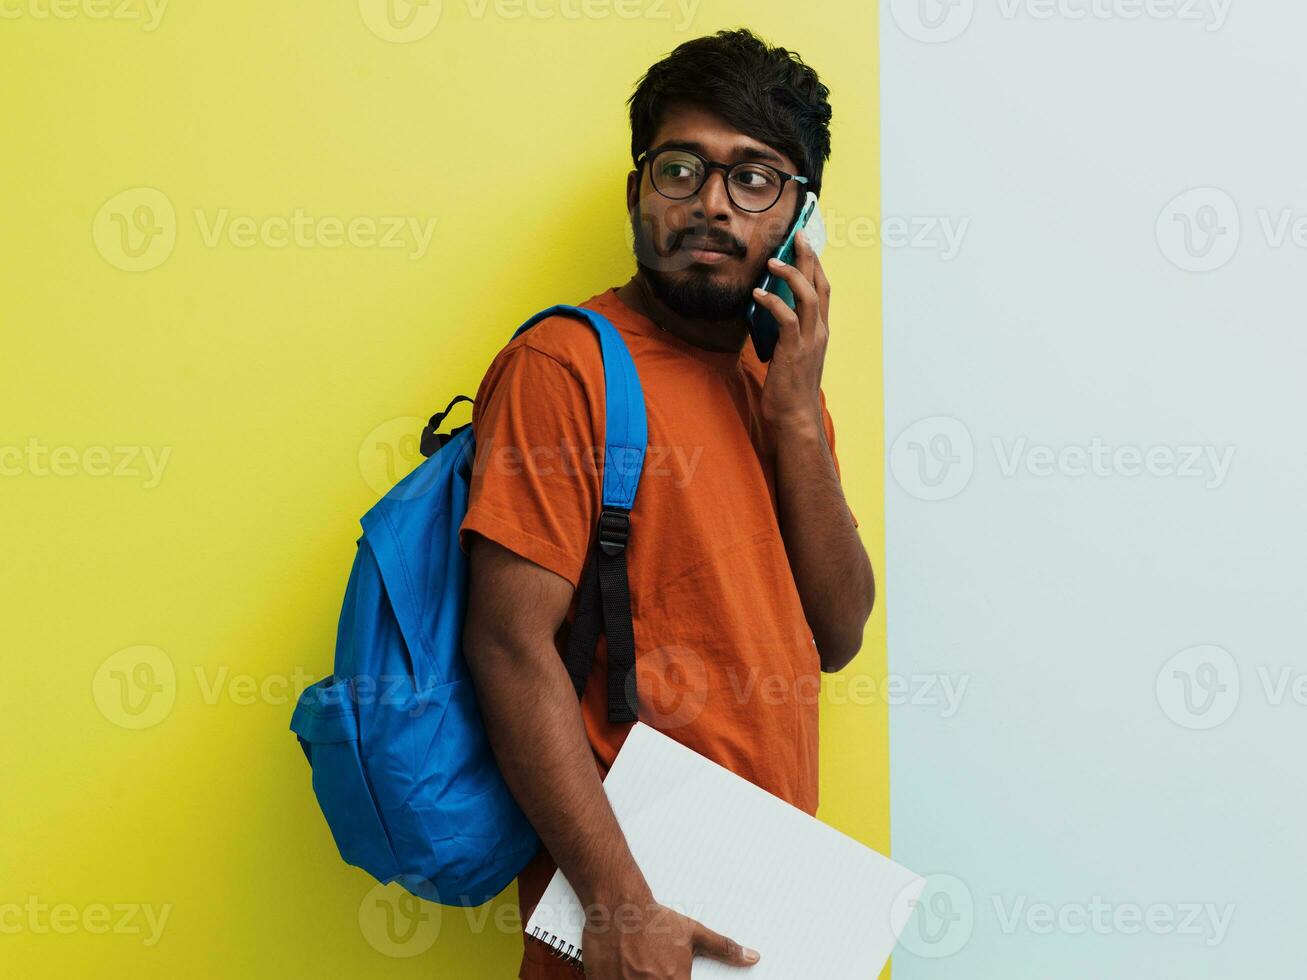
835 656
837 652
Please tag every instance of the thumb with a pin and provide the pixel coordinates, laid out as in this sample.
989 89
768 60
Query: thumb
718 947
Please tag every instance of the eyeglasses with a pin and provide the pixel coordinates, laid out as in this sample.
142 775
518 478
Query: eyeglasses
679 174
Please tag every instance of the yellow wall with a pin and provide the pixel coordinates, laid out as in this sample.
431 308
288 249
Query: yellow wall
258 381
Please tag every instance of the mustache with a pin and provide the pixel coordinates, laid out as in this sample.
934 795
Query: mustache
725 243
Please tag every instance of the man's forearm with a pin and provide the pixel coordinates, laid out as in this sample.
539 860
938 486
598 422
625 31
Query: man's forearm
830 565
535 728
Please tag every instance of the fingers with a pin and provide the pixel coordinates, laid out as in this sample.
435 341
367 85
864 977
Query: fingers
787 321
799 277
823 292
718 947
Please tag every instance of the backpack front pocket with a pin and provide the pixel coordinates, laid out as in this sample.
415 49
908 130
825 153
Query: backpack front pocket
327 724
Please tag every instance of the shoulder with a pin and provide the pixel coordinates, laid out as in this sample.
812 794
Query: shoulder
568 341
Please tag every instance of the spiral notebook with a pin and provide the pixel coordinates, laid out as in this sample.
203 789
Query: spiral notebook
712 845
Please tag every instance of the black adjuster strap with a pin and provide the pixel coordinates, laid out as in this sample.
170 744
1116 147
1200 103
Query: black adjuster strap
605 603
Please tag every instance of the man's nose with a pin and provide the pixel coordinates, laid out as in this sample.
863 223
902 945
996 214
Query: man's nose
713 201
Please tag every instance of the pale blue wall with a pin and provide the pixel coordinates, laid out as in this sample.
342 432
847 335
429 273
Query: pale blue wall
1078 771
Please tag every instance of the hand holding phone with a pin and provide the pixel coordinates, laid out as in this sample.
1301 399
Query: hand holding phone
763 327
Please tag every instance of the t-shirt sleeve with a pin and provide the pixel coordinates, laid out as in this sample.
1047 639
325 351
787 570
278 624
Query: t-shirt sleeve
829 423
535 480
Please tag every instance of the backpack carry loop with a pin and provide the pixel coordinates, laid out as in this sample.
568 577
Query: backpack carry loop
431 440
605 594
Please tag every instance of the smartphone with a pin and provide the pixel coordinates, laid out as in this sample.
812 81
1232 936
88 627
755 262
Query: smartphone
763 327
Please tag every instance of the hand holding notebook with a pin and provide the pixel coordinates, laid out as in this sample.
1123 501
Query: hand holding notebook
746 864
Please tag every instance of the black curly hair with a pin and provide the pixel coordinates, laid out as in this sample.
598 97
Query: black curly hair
765 92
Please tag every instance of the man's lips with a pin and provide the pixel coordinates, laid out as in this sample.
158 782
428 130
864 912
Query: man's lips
707 251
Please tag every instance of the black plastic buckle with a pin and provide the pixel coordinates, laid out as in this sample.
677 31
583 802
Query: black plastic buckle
614 529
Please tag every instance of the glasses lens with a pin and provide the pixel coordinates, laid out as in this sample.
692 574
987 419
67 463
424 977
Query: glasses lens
754 187
676 174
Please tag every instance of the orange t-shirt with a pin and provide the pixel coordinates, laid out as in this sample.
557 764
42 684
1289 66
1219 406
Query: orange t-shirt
725 660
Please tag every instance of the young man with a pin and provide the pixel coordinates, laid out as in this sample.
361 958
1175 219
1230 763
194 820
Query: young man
747 577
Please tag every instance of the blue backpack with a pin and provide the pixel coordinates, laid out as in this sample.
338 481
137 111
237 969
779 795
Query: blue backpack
402 767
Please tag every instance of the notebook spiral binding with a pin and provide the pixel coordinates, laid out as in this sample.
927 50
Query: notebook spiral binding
559 947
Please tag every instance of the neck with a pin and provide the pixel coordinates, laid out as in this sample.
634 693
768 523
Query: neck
726 336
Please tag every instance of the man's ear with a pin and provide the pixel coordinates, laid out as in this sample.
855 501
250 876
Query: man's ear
632 190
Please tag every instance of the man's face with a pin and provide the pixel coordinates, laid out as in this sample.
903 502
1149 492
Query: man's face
703 255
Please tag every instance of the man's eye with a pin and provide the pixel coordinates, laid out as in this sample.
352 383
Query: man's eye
753 178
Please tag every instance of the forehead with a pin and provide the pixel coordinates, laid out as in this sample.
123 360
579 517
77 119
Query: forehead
699 129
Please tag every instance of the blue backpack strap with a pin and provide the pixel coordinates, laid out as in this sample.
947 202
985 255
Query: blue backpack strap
605 594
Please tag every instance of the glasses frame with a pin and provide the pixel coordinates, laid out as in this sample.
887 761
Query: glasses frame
708 167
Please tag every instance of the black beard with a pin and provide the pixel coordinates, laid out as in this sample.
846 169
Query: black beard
693 295
689 291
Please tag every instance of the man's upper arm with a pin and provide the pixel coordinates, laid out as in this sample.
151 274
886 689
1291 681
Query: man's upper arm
513 604
535 484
